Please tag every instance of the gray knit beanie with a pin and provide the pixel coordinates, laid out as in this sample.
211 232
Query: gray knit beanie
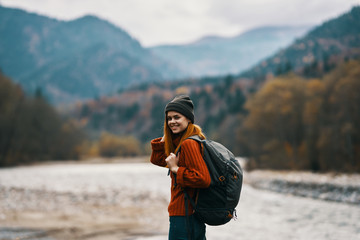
182 104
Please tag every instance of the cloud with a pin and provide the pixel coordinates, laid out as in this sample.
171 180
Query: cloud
173 21
251 13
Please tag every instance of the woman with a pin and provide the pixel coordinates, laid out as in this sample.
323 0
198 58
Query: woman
188 169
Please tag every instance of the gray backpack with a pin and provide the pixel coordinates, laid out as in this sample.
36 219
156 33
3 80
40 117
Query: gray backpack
216 204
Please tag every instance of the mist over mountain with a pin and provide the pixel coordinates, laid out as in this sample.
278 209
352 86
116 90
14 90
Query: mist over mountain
72 60
214 55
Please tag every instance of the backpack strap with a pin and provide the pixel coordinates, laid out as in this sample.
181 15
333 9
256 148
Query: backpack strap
192 202
193 137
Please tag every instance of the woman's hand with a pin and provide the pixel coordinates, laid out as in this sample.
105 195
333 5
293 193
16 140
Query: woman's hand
162 139
172 162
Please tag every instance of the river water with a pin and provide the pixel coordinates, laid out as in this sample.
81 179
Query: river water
260 214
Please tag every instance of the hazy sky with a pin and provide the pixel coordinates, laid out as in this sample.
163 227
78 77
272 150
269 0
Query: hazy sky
155 22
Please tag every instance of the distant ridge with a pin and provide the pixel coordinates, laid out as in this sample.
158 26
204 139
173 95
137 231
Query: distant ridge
214 55
316 53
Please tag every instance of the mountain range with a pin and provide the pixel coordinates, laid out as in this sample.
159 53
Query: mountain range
89 57
214 55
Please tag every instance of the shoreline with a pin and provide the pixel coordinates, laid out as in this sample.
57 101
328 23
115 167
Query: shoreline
341 187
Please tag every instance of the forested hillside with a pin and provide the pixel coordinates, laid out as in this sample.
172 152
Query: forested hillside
298 123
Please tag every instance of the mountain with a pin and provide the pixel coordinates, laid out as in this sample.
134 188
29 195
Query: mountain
72 60
215 55
323 48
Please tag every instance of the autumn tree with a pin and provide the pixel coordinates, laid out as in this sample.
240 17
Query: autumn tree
339 140
313 118
11 100
31 130
276 124
111 145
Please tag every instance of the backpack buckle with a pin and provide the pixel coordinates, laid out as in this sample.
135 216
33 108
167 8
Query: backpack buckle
235 176
232 215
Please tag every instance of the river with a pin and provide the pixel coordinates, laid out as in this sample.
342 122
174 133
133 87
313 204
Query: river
260 214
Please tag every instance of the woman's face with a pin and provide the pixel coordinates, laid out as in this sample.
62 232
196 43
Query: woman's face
177 122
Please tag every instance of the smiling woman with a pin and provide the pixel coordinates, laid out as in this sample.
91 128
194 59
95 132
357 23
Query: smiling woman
187 167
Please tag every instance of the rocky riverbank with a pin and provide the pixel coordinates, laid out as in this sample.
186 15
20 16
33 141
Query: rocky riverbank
324 186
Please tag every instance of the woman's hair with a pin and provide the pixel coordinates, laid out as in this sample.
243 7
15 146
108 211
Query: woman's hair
192 129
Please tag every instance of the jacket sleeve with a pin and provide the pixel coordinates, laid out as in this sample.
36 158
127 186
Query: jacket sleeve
158 155
195 174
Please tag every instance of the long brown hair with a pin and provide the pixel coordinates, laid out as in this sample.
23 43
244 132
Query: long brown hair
192 129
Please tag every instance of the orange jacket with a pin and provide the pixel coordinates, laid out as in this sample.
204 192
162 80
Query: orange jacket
193 172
